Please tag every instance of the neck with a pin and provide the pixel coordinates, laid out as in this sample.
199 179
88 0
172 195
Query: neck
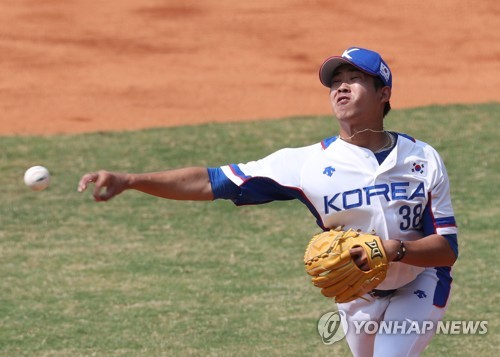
372 139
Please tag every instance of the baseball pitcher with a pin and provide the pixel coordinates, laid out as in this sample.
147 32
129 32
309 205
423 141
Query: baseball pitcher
382 199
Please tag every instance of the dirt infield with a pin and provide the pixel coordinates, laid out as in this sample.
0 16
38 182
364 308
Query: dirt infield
79 66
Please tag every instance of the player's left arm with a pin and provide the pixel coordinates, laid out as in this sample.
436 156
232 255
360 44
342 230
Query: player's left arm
431 251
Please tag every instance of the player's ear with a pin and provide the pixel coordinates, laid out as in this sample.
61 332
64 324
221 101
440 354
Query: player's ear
385 94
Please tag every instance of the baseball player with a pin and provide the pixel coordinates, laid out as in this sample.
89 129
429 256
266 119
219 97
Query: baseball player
364 178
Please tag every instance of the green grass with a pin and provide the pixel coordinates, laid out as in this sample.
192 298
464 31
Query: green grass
141 276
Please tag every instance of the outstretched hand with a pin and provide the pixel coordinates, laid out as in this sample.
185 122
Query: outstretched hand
106 184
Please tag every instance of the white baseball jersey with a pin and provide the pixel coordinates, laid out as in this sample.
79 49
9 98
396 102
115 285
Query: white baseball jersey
405 197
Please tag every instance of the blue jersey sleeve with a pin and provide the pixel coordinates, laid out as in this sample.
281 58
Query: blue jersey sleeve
453 241
222 187
254 191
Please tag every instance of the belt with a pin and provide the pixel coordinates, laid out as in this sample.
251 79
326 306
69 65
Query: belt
381 293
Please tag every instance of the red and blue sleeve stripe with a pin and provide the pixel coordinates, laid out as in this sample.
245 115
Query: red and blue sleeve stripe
430 225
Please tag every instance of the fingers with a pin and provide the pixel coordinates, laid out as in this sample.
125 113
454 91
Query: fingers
85 180
106 184
359 257
102 180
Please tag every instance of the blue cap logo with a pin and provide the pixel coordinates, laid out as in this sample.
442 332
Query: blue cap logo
346 52
366 60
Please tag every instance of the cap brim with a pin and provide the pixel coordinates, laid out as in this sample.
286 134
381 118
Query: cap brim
330 65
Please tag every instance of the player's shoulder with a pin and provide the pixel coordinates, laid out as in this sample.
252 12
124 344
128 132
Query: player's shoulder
410 140
293 154
302 150
413 144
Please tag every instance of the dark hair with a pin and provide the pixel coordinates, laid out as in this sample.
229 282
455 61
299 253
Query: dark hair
379 84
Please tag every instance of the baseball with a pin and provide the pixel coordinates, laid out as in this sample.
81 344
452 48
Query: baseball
37 178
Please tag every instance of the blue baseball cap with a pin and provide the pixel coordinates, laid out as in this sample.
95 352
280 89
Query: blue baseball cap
365 60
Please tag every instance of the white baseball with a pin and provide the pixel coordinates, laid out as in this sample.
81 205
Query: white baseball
37 178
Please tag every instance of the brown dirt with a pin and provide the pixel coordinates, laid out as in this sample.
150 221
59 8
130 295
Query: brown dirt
79 66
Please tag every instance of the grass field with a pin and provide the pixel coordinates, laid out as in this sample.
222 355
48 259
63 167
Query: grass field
141 276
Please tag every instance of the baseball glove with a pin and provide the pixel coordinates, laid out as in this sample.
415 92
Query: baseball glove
328 261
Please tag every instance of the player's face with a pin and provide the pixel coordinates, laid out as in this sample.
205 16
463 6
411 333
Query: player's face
353 94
